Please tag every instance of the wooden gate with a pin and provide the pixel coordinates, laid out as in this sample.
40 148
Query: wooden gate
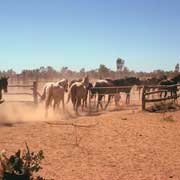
156 91
32 87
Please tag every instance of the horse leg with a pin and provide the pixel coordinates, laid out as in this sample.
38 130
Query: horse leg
128 98
54 105
83 104
85 99
78 102
46 108
63 104
139 93
0 94
99 102
74 103
160 94
109 99
174 93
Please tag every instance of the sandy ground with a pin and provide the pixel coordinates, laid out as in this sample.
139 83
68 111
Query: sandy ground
114 145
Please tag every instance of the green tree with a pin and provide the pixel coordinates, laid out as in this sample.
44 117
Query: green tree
120 64
177 68
103 70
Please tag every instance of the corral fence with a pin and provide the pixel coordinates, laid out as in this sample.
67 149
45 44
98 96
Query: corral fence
33 92
112 91
155 94
145 91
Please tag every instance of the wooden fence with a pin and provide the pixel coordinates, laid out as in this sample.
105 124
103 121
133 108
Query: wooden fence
156 91
145 93
107 91
33 88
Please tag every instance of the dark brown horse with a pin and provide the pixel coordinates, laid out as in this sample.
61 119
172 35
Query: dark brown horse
170 82
98 85
3 86
151 82
129 81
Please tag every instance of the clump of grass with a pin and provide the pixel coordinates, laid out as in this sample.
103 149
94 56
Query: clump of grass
163 107
168 118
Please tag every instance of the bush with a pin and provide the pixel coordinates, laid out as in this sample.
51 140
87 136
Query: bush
22 165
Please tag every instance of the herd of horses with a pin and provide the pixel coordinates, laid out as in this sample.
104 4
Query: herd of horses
54 92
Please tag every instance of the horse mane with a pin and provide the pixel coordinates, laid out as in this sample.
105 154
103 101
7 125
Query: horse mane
85 80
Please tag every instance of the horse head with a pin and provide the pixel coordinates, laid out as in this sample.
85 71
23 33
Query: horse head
64 84
85 81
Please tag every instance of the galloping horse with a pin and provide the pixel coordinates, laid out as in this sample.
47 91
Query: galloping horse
54 92
3 86
78 93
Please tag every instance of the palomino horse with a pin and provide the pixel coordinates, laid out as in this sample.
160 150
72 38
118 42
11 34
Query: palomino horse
89 85
78 93
54 92
3 86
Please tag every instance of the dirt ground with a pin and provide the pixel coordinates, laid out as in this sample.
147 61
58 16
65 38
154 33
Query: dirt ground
114 145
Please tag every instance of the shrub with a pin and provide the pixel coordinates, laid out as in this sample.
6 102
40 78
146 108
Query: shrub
22 165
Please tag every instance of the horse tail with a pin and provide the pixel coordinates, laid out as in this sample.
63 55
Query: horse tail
43 97
72 93
69 95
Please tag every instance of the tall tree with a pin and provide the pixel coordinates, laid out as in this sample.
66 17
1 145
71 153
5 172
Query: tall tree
103 70
120 64
177 68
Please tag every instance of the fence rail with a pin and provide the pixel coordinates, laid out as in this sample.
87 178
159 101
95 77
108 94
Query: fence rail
20 86
163 88
23 93
32 87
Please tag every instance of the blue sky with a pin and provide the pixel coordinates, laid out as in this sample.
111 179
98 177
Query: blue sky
86 33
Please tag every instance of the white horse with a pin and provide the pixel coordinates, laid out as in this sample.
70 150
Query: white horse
54 92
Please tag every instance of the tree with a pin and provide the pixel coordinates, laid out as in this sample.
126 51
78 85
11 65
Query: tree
103 70
64 70
82 71
177 68
120 64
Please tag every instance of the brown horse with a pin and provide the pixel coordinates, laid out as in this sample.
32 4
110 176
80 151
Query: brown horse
78 93
3 86
90 85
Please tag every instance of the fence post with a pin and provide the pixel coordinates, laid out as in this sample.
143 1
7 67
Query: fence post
89 102
35 94
144 98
